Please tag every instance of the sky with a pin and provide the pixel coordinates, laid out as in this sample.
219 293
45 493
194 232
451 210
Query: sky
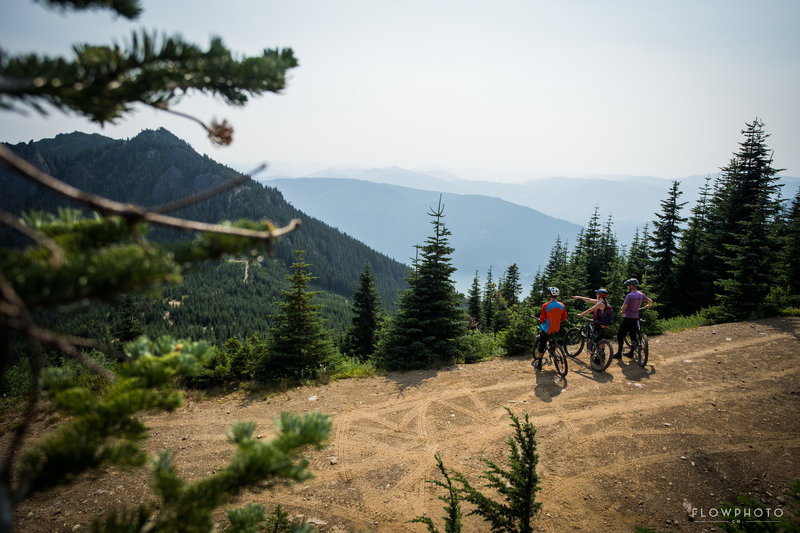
499 90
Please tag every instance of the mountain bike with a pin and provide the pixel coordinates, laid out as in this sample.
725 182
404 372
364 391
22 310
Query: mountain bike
638 343
555 350
599 352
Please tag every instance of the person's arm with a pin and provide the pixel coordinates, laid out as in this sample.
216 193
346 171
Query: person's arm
595 306
649 302
624 306
585 299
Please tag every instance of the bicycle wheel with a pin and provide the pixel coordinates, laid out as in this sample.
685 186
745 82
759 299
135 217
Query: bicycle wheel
573 342
601 358
642 350
559 357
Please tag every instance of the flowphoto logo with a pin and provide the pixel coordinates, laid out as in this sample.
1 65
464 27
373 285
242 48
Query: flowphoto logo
737 515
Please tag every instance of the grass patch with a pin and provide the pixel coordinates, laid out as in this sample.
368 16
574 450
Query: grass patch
680 323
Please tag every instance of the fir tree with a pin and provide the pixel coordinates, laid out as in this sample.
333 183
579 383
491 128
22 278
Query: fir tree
429 320
791 248
665 242
745 211
510 286
693 274
489 302
363 332
517 484
639 255
474 299
299 344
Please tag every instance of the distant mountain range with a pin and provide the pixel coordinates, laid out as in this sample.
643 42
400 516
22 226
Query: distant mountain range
486 231
630 201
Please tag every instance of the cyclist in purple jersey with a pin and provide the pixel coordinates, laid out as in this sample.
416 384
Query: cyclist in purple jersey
630 312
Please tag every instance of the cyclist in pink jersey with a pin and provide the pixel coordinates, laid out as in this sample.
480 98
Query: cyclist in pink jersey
630 312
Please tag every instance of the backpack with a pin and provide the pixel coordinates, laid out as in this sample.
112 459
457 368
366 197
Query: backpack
606 316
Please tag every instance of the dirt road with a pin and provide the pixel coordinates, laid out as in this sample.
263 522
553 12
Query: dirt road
715 413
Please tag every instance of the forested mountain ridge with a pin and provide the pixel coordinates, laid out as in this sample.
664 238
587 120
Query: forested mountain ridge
155 168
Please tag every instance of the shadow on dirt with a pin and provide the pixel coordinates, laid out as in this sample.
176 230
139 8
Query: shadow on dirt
632 371
584 370
548 383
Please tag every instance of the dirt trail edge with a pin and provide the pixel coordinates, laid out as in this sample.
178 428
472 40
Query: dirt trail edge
716 412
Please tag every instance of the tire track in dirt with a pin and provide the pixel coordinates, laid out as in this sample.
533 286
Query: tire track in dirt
591 429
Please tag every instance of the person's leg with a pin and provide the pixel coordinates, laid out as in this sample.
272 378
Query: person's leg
543 337
623 330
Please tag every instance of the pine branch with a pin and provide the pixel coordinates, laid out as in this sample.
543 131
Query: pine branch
103 82
127 8
56 251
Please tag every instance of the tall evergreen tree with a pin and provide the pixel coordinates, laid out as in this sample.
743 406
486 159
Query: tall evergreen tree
489 302
639 255
748 205
665 241
429 320
790 266
510 286
592 251
299 343
363 332
694 276
474 299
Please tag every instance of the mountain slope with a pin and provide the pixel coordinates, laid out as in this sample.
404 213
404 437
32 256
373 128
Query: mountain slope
155 168
486 232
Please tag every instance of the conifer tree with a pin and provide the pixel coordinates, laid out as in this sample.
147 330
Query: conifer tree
489 302
363 332
298 343
665 242
791 248
693 262
639 254
593 251
744 211
474 299
429 320
510 286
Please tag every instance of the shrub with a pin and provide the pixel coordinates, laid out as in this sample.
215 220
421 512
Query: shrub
520 334
475 347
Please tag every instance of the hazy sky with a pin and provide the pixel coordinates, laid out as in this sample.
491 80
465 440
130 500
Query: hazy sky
513 88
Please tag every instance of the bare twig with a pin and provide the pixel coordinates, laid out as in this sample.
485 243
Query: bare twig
56 252
131 212
220 133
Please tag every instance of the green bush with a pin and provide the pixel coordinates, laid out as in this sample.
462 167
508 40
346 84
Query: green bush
475 347
521 333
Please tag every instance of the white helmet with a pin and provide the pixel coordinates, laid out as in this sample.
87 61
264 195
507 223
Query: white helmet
553 291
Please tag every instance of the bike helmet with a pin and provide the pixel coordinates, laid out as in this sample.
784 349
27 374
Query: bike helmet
632 281
602 291
553 291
